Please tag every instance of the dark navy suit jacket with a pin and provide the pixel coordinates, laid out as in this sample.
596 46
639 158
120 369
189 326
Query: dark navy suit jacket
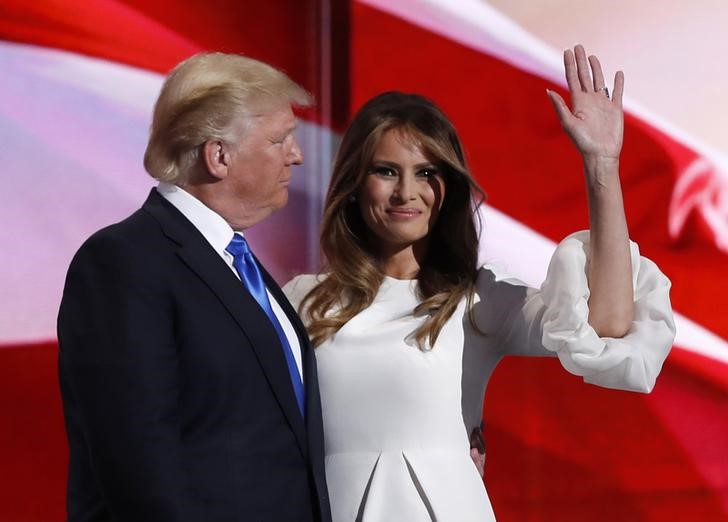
176 394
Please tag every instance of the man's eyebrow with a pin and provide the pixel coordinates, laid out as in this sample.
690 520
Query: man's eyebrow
289 129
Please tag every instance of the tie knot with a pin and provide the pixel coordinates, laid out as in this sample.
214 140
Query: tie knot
238 246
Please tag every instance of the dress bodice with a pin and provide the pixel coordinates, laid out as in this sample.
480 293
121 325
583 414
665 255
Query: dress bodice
396 417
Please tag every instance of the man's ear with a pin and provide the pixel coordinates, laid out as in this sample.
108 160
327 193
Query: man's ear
216 157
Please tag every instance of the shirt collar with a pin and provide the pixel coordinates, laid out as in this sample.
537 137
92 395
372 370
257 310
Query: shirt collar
211 225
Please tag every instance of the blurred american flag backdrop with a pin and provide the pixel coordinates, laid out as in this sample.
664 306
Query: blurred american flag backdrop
78 79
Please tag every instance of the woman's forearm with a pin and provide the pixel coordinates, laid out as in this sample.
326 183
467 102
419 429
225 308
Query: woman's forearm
611 300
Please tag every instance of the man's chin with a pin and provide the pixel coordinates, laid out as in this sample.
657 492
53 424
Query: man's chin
282 199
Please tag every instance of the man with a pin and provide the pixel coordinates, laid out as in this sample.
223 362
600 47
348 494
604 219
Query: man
189 386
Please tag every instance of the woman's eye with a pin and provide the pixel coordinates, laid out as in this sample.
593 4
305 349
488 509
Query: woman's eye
429 172
383 171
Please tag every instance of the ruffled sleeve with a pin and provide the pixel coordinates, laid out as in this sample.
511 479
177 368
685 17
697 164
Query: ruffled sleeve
631 362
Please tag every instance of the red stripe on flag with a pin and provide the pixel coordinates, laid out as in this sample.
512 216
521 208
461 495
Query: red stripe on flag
106 29
32 437
153 36
558 449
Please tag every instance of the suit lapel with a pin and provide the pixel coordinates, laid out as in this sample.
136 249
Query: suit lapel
199 256
288 309
314 418
308 358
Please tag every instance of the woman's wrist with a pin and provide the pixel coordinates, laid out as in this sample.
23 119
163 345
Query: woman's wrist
601 172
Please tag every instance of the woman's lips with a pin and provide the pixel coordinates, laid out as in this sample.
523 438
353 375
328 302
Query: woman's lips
404 213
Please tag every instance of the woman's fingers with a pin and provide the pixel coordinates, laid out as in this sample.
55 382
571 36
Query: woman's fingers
594 122
583 74
582 69
618 87
572 78
584 77
478 460
597 75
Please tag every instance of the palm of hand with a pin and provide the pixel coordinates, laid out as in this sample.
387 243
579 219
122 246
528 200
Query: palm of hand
596 122
597 125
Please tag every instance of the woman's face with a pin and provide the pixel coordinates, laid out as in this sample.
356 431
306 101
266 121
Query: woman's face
402 193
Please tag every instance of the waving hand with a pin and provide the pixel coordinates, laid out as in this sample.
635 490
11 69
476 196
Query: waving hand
595 123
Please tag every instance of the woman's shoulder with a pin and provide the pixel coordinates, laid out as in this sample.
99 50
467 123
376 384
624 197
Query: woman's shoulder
494 276
298 287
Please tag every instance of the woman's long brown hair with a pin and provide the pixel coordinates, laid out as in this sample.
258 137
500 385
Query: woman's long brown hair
449 268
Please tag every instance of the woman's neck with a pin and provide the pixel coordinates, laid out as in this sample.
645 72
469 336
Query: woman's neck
402 263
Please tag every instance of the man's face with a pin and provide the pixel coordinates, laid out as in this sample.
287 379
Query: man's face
259 169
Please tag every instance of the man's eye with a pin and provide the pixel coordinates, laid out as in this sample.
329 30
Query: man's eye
281 140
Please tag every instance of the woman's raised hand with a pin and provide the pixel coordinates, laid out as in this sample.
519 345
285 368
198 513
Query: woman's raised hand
595 123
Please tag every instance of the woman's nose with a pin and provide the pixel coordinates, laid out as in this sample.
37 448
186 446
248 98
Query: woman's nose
404 190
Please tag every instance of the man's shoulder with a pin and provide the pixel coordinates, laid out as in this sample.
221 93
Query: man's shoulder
129 230
136 239
146 223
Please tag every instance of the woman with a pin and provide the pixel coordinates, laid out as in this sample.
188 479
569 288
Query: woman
408 329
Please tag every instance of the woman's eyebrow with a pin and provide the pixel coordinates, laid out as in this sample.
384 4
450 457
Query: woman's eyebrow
388 163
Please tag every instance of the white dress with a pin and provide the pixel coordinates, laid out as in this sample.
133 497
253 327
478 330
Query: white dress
397 418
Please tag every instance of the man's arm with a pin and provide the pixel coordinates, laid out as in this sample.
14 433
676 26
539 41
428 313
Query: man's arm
119 364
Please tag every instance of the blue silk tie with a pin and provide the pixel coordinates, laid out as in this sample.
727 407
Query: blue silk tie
249 273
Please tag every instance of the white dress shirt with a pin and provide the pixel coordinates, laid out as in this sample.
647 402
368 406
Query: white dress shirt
218 233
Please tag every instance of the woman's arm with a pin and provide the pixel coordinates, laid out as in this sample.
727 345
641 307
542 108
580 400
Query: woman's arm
595 124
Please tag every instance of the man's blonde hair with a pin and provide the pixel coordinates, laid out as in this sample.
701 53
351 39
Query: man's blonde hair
206 97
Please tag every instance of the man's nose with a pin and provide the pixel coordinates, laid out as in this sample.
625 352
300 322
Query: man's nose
296 154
